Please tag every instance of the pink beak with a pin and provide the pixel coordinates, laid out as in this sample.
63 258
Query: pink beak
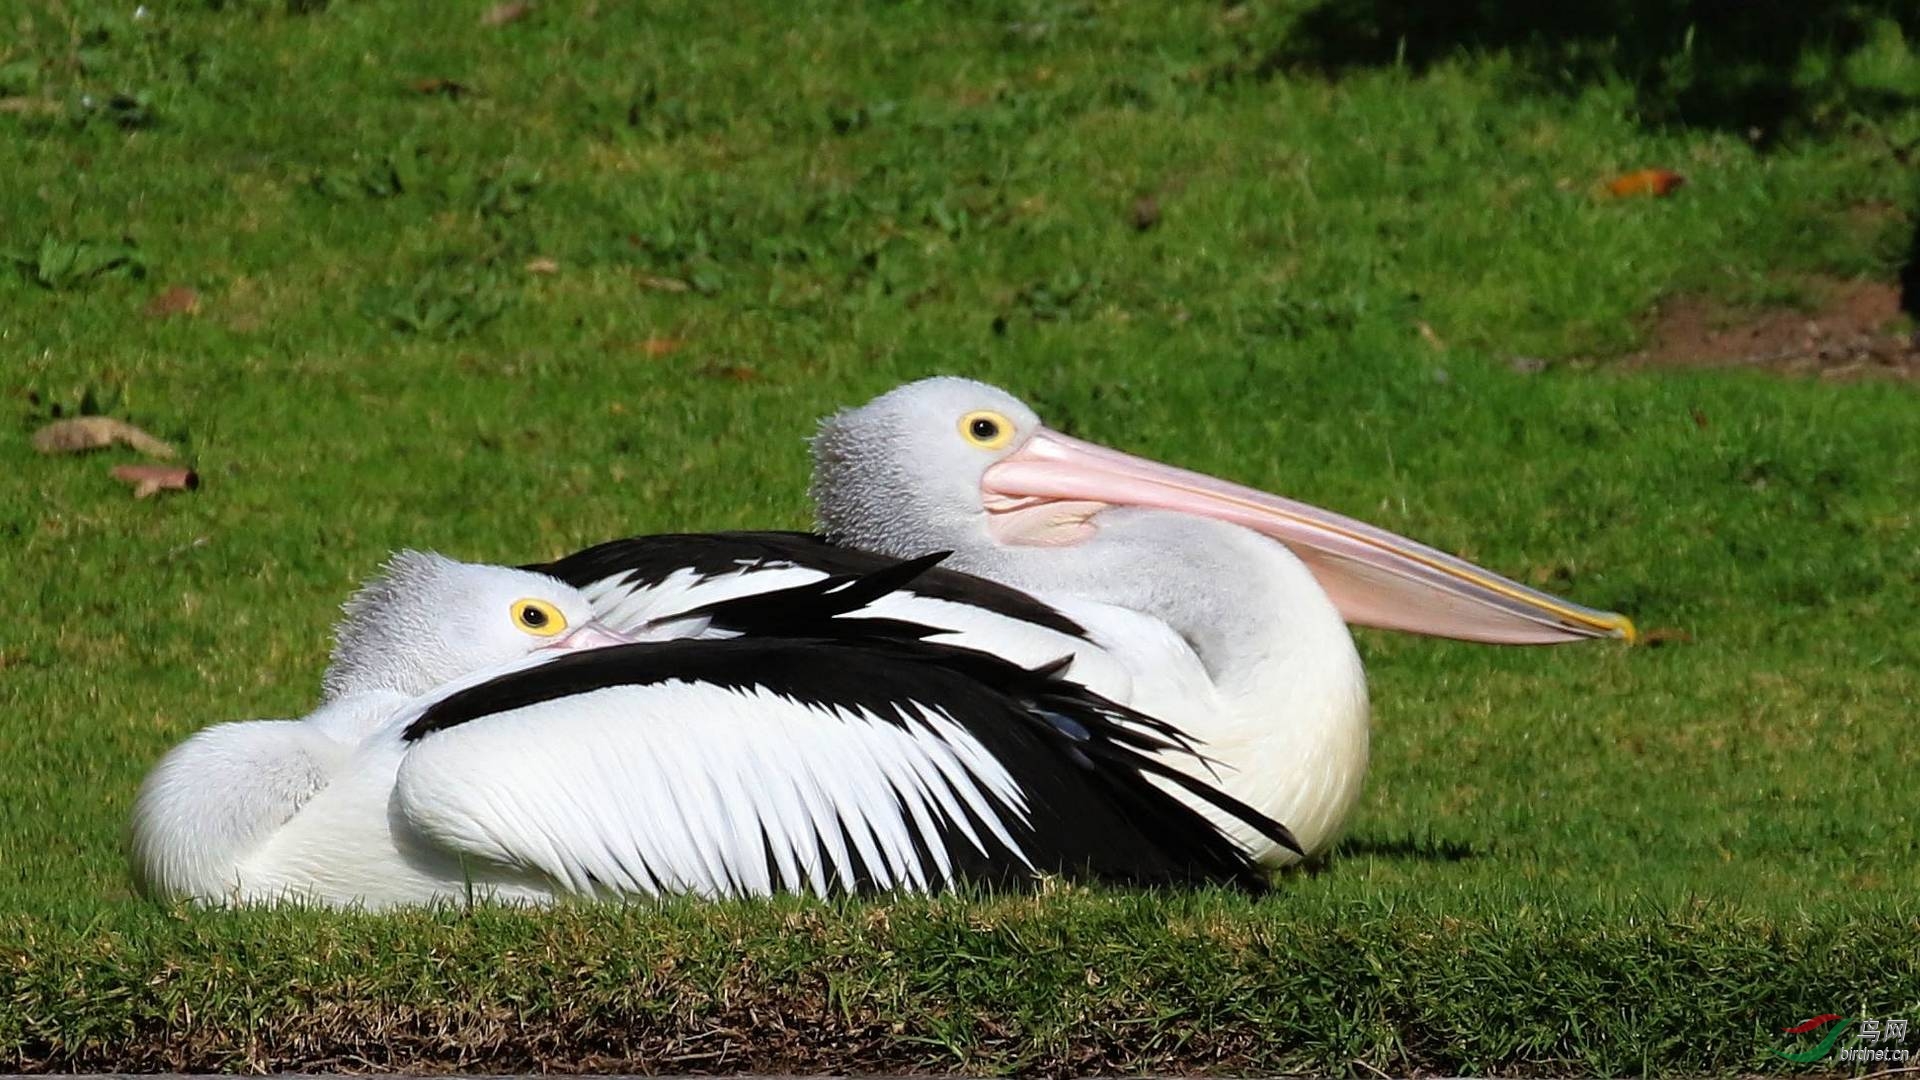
1046 492
588 635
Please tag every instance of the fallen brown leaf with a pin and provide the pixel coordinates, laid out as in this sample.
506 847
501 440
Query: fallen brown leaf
1432 337
502 14
1654 182
657 347
661 284
83 433
31 106
452 88
735 372
174 300
149 480
543 265
1666 635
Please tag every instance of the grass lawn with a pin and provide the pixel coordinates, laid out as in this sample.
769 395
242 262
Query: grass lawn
508 290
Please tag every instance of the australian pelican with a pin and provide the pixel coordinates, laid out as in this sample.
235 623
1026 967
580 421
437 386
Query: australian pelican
1217 608
484 734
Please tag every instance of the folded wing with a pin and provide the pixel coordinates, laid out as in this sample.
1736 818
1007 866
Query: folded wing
751 766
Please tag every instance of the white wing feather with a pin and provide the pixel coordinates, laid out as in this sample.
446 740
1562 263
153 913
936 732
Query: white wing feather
687 787
633 609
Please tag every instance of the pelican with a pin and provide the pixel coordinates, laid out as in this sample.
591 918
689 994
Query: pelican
483 734
219 797
1217 608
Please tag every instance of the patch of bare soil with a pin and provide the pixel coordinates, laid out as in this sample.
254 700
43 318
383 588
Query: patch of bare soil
1850 336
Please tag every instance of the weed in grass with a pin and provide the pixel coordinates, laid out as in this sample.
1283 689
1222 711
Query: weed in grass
62 265
43 403
449 301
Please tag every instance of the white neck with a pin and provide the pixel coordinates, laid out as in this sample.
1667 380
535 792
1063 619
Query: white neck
1288 713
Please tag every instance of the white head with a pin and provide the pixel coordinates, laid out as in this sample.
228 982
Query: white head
427 619
903 473
952 464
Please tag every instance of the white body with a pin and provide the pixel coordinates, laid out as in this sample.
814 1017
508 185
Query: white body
1287 728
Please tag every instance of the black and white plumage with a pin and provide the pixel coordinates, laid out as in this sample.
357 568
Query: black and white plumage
810 765
791 749
647 585
657 573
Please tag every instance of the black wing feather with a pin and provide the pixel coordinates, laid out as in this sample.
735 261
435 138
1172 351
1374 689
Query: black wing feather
646 561
814 608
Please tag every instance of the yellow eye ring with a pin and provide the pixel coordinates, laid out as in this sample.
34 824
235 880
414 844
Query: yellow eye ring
539 618
986 429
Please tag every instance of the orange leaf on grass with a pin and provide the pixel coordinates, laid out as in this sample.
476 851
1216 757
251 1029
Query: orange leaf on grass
1654 182
175 300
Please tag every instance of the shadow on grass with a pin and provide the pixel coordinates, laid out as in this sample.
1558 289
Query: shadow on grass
1910 279
1419 848
1762 68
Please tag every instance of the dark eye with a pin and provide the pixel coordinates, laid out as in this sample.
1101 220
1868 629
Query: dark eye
986 429
539 618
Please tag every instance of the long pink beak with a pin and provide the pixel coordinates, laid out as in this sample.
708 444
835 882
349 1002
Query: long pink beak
592 634
1045 492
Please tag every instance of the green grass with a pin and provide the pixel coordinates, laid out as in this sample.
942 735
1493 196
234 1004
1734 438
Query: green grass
1065 984
1585 859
